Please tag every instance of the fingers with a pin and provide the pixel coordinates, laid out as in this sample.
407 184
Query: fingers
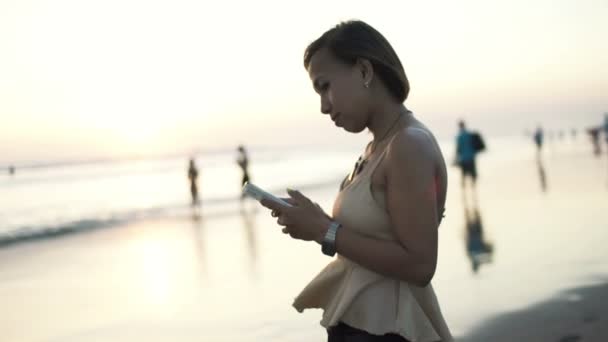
266 203
297 196
282 220
272 205
289 200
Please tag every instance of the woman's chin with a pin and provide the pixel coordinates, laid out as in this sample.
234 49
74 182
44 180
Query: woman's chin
352 129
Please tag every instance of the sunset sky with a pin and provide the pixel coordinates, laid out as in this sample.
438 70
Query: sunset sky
88 79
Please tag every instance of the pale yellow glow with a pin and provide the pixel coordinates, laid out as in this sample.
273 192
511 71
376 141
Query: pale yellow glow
139 77
156 262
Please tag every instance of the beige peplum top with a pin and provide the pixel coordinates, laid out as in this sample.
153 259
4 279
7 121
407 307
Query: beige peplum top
364 299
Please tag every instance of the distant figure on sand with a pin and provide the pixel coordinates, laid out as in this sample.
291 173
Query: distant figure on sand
193 177
538 138
468 144
11 170
594 134
538 141
243 161
606 127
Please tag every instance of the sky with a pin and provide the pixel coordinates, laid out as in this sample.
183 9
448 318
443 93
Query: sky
118 78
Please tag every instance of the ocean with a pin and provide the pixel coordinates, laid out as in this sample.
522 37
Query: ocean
45 201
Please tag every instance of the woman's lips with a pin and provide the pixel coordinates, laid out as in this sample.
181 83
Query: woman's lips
336 119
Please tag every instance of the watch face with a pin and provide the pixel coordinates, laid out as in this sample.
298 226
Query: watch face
328 249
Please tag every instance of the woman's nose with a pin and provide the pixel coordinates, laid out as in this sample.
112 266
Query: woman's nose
325 105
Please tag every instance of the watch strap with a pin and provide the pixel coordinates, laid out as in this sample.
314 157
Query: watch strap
328 246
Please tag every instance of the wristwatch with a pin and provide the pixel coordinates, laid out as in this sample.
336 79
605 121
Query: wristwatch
328 246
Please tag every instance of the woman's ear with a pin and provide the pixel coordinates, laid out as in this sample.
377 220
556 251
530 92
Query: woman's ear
367 71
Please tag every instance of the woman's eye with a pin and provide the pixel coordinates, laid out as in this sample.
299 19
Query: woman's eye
324 86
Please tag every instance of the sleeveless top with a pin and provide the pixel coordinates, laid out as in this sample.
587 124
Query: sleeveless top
364 299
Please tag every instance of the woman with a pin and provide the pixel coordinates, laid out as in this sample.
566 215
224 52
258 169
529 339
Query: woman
386 215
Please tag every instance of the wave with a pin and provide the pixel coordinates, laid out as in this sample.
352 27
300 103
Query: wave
213 208
105 220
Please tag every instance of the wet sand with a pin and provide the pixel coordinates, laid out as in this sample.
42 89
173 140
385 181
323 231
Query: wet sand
579 314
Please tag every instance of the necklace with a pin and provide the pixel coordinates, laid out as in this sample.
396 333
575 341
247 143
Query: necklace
362 161
378 141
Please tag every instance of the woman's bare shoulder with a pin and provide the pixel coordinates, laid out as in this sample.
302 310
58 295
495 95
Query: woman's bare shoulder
412 142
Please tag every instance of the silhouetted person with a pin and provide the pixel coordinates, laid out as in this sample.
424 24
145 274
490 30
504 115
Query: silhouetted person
11 170
478 250
594 133
193 177
606 128
538 141
468 144
243 162
538 138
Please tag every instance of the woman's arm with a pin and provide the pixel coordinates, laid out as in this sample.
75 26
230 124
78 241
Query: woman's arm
412 206
411 203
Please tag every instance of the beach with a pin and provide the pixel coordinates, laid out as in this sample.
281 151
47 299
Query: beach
228 274
578 314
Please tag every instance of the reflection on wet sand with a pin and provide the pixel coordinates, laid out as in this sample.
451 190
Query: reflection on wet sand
198 230
204 249
607 165
541 174
248 216
478 249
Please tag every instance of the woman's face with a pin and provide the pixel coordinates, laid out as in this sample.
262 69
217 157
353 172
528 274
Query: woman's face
342 91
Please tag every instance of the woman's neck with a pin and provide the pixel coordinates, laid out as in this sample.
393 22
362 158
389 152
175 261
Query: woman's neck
384 119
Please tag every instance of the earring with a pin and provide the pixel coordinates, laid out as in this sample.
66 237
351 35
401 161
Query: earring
366 84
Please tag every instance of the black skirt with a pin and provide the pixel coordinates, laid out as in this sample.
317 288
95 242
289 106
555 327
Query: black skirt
346 333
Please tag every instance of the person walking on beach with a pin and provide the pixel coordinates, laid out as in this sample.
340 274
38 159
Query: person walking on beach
538 139
385 219
468 144
606 129
243 161
193 178
594 134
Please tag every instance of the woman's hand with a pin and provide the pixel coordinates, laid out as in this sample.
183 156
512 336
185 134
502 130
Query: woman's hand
305 220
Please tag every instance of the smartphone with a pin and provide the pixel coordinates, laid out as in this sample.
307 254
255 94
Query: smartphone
259 194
